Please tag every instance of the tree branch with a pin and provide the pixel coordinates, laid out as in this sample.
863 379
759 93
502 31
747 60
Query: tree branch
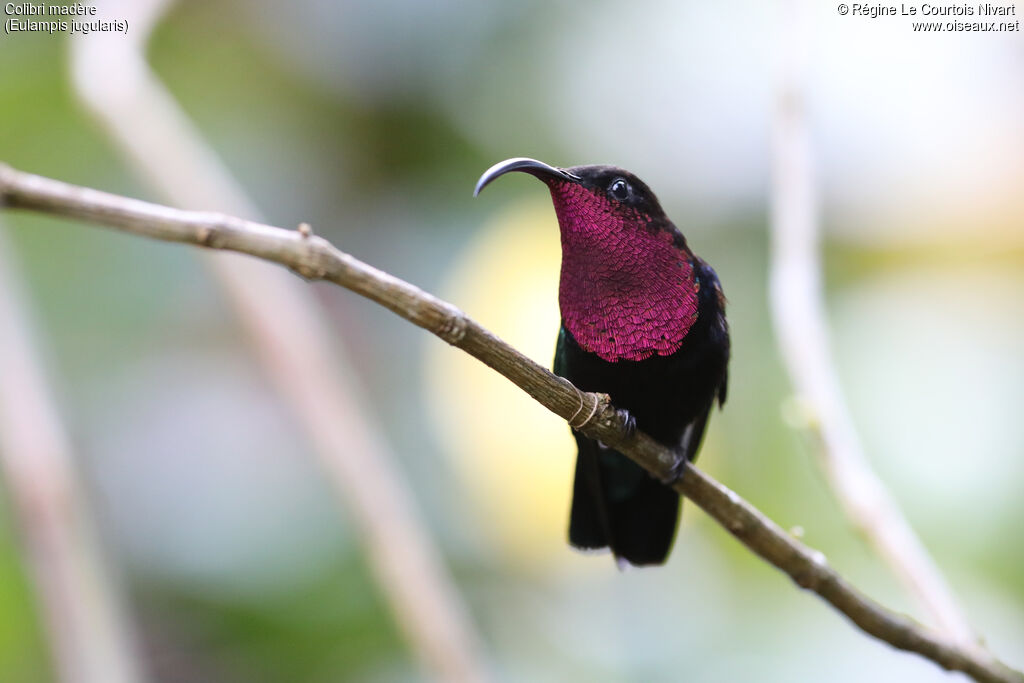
308 368
316 259
798 314
90 634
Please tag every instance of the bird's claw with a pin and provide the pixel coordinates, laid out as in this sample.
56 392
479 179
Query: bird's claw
675 471
628 422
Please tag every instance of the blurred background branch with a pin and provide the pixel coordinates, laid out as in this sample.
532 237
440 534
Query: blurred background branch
90 636
799 317
315 258
286 328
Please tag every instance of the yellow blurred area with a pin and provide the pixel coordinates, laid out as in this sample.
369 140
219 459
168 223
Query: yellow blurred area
515 458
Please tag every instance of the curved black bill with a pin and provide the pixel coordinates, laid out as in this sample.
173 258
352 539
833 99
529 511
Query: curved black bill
531 166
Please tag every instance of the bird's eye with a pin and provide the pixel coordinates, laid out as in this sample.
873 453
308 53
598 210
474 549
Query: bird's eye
619 190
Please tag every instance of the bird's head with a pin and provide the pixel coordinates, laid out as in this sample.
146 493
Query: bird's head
599 201
627 288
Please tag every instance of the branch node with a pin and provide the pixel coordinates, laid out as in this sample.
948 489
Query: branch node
305 230
811 577
211 229
312 262
453 327
204 234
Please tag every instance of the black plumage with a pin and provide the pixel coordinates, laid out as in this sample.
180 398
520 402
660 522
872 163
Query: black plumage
616 503
643 320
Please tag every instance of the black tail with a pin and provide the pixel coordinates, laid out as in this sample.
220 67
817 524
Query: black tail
617 504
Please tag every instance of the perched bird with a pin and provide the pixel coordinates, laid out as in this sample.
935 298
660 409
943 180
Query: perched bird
643 320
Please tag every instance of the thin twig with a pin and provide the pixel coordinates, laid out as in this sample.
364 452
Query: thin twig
89 635
798 312
292 341
316 259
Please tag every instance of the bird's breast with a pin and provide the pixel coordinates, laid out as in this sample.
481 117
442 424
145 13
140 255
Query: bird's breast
628 309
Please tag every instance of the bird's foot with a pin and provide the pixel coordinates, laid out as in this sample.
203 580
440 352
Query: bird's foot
675 471
628 425
628 422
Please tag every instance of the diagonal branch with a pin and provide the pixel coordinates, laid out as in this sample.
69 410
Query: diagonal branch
90 634
314 258
310 370
799 317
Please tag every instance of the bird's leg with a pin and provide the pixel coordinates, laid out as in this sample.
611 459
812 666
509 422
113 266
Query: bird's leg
678 466
676 470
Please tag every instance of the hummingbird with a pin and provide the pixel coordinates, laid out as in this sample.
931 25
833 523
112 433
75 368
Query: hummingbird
642 320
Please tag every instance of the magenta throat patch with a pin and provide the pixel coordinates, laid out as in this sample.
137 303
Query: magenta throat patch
627 291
